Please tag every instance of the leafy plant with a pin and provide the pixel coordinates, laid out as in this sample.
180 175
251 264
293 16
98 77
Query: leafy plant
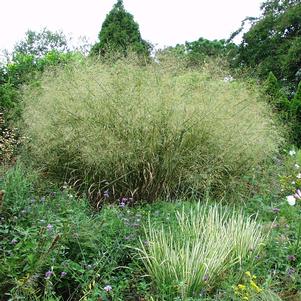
48 249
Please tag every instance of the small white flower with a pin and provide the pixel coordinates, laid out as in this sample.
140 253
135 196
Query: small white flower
228 79
299 176
292 152
108 288
293 183
291 200
297 166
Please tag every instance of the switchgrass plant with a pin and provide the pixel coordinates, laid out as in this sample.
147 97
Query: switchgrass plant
147 131
191 253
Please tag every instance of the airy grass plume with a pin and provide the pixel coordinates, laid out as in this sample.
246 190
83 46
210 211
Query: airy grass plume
191 253
147 131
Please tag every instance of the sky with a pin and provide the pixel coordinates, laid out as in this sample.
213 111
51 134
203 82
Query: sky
162 22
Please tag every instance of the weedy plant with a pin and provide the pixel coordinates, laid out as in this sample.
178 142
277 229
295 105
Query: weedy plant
147 131
250 290
190 254
54 248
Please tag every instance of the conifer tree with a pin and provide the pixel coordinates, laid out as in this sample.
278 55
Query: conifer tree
295 112
273 89
295 105
297 97
120 33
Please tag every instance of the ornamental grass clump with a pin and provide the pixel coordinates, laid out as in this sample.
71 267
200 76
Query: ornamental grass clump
147 131
190 254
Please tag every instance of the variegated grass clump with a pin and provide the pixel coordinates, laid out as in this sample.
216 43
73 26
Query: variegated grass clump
188 255
147 131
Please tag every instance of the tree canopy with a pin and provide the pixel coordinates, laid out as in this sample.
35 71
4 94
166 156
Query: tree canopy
273 42
120 33
40 43
37 51
196 52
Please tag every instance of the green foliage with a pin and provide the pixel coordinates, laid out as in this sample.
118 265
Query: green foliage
295 111
197 52
249 290
296 103
38 51
18 187
273 42
48 249
147 131
192 253
277 97
120 34
8 96
40 43
44 229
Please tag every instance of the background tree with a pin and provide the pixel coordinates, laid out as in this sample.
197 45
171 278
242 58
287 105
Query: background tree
196 52
273 42
277 97
120 33
295 110
30 57
40 43
203 48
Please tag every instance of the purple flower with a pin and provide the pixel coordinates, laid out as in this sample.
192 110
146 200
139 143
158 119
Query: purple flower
122 204
108 288
48 274
290 271
129 237
13 241
297 195
276 210
49 227
106 194
63 274
291 258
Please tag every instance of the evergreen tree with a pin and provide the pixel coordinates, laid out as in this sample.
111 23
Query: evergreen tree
120 33
296 102
273 89
295 111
